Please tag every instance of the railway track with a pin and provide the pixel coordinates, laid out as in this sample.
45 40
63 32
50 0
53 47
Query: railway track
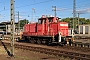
77 44
73 54
75 48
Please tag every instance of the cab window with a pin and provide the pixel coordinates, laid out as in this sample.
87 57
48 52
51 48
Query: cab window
39 21
50 20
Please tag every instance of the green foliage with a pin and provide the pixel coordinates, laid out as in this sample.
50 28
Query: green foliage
70 21
23 22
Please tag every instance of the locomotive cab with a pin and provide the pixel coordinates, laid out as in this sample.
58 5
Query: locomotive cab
48 19
51 27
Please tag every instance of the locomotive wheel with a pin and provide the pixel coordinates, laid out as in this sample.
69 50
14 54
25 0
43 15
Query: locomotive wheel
43 42
39 41
32 41
47 42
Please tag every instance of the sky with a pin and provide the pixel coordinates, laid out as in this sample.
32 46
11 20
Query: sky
34 9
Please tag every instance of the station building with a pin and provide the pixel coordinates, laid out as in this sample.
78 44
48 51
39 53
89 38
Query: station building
6 26
84 29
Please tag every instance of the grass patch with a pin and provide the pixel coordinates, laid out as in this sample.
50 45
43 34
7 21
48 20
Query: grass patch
25 58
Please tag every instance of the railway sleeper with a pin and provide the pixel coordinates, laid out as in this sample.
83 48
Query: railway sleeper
74 57
80 44
86 45
81 58
63 53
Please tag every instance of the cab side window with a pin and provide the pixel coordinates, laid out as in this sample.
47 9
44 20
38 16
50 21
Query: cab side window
39 21
50 20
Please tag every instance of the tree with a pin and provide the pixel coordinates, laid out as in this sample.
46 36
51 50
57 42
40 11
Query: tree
23 22
88 21
70 21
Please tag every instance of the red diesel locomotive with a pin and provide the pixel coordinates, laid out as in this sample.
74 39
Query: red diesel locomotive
48 30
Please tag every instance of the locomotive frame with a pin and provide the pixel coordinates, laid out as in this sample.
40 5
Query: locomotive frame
48 30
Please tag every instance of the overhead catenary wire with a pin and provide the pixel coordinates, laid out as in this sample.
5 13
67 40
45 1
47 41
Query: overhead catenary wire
26 5
31 4
35 3
41 3
69 6
66 5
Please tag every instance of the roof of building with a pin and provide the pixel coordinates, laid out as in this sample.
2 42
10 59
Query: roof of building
3 23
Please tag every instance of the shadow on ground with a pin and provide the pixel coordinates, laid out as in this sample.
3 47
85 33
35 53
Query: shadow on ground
9 54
